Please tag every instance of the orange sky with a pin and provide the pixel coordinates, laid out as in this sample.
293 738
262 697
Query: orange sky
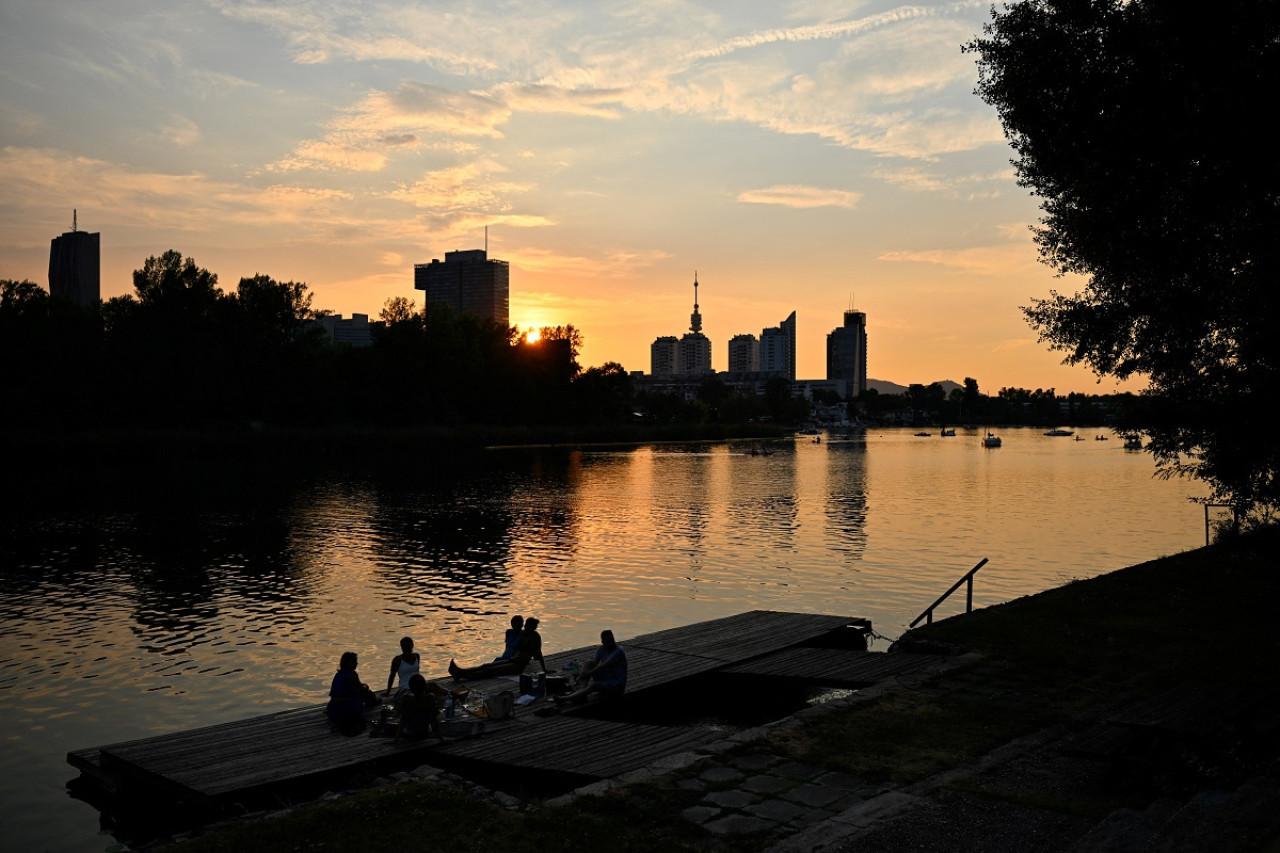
799 156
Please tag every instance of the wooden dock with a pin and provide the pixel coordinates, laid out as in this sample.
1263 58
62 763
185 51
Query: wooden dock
213 767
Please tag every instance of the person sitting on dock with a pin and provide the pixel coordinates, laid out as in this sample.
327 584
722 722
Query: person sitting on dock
530 649
513 637
605 675
348 697
418 708
404 665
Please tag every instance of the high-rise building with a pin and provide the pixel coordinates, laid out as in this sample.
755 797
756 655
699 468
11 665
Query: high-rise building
847 355
744 354
75 266
695 347
778 349
469 283
664 356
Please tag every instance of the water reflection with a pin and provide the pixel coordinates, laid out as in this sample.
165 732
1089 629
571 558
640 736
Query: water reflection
141 613
845 505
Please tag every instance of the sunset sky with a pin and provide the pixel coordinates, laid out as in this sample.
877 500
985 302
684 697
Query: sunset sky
798 155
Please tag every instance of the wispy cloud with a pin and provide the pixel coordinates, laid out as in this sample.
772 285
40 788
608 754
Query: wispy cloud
935 179
1006 259
800 197
363 137
473 186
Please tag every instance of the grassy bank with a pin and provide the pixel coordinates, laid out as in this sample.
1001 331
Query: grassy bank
1061 657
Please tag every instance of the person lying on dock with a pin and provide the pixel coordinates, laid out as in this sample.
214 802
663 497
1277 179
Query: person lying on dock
404 665
605 675
348 697
418 709
530 649
512 639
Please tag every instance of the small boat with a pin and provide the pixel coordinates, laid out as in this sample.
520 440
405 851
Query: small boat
1101 437
1057 432
923 434
991 440
1133 442
948 433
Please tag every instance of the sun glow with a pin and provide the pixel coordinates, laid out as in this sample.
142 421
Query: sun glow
532 336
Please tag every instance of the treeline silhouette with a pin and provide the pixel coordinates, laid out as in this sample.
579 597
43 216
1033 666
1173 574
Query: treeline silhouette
182 352
933 404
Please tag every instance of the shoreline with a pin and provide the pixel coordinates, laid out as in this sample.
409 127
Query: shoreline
919 757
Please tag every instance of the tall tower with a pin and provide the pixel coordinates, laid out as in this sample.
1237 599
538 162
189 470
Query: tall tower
74 266
695 347
469 283
847 354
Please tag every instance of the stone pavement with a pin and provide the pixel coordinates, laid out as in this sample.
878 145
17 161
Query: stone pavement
1023 795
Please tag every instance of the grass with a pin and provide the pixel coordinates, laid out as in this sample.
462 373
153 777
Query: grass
428 816
906 736
1059 656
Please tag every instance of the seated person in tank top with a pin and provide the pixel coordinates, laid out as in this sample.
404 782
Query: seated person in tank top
513 636
530 649
404 665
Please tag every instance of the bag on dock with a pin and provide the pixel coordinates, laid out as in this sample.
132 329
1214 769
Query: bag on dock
501 705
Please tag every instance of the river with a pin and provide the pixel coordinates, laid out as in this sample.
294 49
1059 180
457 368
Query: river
145 614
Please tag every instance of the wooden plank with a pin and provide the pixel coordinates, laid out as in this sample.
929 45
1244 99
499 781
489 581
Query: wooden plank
742 636
586 747
833 666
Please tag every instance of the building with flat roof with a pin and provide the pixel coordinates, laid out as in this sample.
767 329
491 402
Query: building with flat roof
355 331
778 349
75 266
469 283
664 356
847 355
744 354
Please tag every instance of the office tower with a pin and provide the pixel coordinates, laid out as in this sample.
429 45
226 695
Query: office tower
469 283
744 354
847 355
695 347
74 266
664 356
778 349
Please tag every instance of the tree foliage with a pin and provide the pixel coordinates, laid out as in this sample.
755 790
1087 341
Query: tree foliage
1143 127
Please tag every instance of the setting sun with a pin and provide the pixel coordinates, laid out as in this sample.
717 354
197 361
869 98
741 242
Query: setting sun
532 336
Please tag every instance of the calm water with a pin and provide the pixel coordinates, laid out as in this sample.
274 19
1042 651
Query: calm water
150 616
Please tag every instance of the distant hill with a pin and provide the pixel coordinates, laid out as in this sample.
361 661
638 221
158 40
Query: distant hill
886 387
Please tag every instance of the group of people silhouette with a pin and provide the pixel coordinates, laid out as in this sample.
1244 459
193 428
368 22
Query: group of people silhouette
418 701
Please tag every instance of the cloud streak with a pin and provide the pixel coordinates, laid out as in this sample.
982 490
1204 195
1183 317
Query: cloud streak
800 197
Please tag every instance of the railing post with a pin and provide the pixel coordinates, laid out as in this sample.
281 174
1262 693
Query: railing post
967 579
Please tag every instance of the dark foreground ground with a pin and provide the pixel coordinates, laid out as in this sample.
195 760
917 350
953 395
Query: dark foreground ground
1134 711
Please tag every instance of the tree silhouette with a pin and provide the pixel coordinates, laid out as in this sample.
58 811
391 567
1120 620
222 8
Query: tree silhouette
1143 127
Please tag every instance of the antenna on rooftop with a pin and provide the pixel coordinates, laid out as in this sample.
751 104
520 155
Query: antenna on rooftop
486 241
73 219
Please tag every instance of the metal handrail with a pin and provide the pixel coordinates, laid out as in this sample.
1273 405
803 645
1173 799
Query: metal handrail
928 612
